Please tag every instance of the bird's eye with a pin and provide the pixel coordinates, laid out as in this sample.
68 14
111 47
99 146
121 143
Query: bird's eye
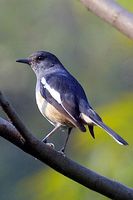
40 58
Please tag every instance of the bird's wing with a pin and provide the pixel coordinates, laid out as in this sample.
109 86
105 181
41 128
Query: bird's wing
60 91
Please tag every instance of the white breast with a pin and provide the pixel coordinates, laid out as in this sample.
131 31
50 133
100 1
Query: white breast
51 113
42 105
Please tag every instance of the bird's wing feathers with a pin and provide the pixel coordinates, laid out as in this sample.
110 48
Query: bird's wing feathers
59 91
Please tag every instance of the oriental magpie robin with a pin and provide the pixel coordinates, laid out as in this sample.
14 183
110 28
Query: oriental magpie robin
61 98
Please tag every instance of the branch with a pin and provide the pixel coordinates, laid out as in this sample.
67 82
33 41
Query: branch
13 116
57 161
112 13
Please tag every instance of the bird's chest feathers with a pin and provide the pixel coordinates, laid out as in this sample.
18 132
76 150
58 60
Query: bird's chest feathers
50 112
41 102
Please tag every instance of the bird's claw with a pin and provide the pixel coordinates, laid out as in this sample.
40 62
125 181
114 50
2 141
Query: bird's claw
48 144
51 145
62 151
44 140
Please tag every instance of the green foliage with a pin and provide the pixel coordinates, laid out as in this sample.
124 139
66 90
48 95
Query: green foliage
126 4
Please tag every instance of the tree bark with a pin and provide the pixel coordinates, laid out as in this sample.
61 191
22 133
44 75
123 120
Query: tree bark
19 135
112 13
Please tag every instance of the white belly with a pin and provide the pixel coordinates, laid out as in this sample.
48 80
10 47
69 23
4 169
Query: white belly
50 112
42 105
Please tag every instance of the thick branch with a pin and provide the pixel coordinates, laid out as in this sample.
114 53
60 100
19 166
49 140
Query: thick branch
112 13
60 163
65 166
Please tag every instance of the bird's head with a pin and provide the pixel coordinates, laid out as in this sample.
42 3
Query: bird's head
41 61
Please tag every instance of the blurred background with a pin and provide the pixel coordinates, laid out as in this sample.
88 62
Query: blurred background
101 58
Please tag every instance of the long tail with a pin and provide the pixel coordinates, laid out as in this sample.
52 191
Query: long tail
93 118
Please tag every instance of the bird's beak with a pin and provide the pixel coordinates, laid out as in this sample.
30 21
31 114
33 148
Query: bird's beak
24 60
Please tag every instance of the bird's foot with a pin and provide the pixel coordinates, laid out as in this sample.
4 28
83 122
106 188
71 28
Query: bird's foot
48 144
62 151
44 140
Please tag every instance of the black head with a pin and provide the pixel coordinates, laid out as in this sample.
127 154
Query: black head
41 60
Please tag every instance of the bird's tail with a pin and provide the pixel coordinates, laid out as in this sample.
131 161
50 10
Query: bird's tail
91 117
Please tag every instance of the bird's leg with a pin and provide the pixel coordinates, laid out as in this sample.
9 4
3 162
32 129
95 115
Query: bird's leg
51 132
68 134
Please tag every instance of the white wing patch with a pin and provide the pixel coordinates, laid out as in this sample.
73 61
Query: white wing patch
86 118
52 91
55 95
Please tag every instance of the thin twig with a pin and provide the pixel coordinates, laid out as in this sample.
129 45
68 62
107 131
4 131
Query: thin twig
10 133
13 116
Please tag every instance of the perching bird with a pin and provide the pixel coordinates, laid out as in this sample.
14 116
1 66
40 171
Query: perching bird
61 98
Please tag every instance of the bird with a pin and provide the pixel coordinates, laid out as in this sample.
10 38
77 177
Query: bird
61 99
